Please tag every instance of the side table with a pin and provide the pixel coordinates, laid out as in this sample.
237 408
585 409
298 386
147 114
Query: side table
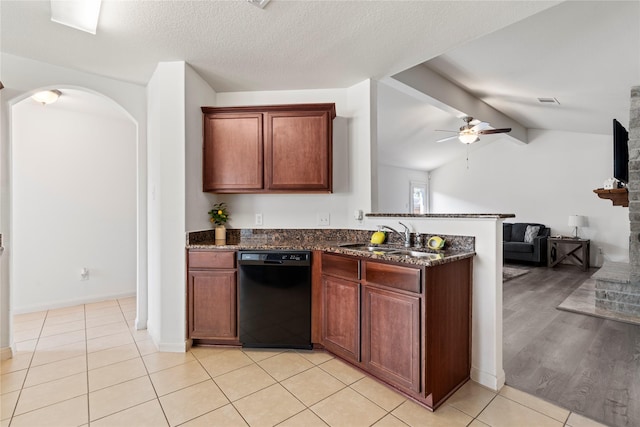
575 250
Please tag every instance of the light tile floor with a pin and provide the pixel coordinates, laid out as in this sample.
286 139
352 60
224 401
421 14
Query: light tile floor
86 365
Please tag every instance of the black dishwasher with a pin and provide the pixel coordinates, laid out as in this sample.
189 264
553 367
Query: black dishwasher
275 299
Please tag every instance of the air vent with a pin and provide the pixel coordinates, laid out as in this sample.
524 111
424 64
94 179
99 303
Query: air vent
548 101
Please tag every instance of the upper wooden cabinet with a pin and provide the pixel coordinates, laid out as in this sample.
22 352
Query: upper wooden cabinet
278 148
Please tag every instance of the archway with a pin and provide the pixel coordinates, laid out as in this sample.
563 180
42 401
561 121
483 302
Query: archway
74 172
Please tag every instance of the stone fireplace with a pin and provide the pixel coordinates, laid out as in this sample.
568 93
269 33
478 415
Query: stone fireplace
618 284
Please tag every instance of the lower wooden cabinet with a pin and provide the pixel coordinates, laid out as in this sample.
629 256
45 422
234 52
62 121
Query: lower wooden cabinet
409 326
391 336
341 317
212 297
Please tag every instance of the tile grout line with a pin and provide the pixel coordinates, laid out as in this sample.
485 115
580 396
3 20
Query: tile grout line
534 409
129 328
13 413
86 358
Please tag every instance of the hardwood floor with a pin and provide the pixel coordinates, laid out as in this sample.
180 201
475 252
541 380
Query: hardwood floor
586 364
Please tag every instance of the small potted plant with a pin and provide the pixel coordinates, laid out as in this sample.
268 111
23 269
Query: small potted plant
219 217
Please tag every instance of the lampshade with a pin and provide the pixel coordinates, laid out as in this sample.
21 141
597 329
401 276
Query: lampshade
46 96
577 221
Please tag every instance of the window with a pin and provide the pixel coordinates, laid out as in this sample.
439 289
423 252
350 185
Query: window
418 197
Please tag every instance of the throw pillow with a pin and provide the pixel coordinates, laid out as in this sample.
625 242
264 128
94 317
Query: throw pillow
530 233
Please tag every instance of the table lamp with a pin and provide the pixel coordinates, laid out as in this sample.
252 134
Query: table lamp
576 221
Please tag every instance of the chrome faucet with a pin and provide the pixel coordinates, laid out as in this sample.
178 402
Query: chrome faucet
407 234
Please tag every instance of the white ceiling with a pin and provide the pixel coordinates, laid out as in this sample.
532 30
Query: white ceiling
585 54
507 53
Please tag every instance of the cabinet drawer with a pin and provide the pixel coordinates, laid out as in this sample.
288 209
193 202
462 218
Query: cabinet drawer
341 266
393 276
212 259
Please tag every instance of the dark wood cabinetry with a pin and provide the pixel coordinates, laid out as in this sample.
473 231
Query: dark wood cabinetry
409 326
391 336
233 152
341 320
212 313
281 148
341 306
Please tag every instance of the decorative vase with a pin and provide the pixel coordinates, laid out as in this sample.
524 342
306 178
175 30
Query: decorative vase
220 235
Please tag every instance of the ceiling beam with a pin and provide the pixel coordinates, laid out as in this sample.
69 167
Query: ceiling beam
430 87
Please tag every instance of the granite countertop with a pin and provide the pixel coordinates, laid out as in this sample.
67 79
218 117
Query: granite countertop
435 257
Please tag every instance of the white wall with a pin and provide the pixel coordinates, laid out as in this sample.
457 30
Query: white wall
74 204
351 164
166 156
394 187
544 181
197 94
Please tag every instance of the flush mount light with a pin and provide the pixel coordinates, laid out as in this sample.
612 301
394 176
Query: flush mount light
79 14
259 3
46 96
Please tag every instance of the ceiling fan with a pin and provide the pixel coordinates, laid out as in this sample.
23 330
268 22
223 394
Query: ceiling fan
468 133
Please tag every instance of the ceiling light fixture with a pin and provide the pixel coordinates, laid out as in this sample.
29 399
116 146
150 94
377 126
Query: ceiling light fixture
259 3
79 14
467 136
46 96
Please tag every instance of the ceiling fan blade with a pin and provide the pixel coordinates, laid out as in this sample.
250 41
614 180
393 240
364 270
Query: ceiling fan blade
443 130
447 138
490 131
480 126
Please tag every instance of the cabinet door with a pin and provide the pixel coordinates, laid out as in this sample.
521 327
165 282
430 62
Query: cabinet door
391 337
213 305
341 317
298 151
232 152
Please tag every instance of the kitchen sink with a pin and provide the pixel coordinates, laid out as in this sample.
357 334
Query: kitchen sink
390 251
418 254
369 248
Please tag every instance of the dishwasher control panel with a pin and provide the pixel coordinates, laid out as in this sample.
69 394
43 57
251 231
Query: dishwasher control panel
274 256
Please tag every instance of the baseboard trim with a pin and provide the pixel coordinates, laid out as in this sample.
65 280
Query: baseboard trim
173 347
6 353
70 303
488 380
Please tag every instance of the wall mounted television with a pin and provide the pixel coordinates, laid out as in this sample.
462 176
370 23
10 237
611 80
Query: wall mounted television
620 152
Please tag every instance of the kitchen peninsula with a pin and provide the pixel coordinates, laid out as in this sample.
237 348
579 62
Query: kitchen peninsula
402 316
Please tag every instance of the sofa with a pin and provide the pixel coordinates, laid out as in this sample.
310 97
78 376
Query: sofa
520 245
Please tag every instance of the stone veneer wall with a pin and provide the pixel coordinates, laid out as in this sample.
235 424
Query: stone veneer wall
618 284
634 185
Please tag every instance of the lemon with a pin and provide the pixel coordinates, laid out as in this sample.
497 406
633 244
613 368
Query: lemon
436 242
378 237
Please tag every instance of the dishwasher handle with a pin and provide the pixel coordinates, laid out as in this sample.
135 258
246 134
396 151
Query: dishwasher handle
270 261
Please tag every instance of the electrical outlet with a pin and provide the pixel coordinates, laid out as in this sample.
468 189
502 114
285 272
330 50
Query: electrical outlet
258 219
323 219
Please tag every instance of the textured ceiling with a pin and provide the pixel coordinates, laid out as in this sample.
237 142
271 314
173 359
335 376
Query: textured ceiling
507 53
236 46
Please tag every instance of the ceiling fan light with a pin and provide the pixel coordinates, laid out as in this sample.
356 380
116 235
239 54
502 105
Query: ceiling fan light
46 96
468 137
